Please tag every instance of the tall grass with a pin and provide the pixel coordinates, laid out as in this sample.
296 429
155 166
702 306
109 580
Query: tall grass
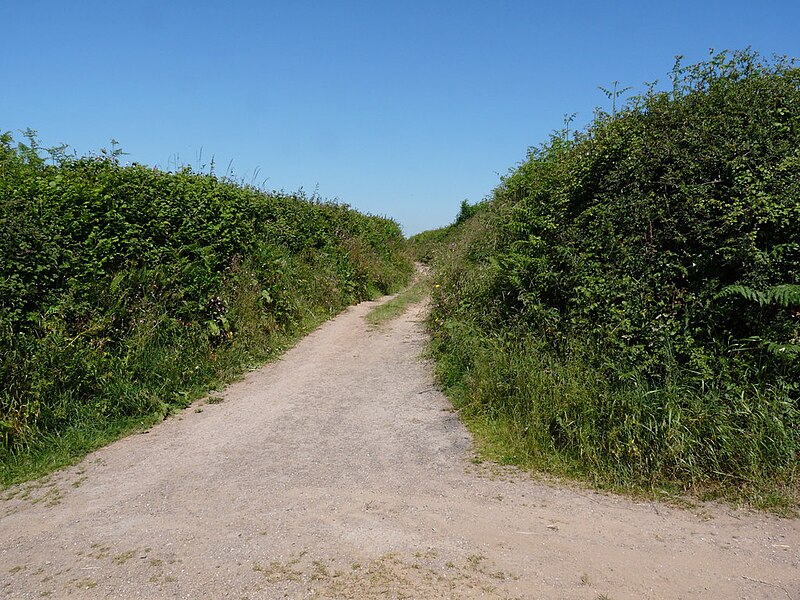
561 416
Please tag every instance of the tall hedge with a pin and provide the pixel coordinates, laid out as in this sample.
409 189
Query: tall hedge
662 245
124 288
647 230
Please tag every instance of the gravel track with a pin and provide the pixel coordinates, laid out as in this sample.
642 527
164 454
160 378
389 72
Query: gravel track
340 472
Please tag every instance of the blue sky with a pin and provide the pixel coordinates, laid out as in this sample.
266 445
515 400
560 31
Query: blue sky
396 108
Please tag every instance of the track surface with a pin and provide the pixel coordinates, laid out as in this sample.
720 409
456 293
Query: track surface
340 472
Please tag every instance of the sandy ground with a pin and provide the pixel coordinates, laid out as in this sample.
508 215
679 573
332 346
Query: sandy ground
340 472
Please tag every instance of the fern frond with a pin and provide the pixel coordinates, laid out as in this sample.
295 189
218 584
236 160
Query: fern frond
783 349
784 295
745 292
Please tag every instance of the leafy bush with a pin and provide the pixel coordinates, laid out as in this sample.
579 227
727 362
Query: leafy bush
125 289
655 255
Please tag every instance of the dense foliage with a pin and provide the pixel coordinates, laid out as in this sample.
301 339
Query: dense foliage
630 299
424 246
124 289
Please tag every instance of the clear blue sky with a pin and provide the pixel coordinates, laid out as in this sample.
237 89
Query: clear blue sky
399 108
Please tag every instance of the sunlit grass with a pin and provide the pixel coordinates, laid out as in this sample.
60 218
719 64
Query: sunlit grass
398 305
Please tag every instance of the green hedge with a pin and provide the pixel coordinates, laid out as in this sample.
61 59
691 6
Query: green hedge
657 253
125 289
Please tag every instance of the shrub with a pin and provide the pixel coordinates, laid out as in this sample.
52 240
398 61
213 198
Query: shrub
125 290
659 251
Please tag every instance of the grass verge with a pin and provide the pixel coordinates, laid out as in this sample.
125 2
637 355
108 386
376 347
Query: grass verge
555 415
398 305
54 451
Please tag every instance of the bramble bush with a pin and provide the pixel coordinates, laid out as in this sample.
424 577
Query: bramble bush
629 300
125 290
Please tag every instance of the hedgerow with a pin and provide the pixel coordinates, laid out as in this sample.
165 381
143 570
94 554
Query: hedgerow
629 301
126 290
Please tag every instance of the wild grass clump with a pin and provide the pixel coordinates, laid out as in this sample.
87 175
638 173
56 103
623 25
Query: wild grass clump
398 305
628 303
126 291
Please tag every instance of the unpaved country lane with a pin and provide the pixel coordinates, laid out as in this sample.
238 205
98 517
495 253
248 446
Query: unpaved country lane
339 472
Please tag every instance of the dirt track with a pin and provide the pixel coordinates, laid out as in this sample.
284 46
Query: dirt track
339 472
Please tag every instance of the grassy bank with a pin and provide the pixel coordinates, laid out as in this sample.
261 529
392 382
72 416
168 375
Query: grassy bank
626 307
126 292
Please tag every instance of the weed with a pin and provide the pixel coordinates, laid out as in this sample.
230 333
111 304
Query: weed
474 560
124 557
86 584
